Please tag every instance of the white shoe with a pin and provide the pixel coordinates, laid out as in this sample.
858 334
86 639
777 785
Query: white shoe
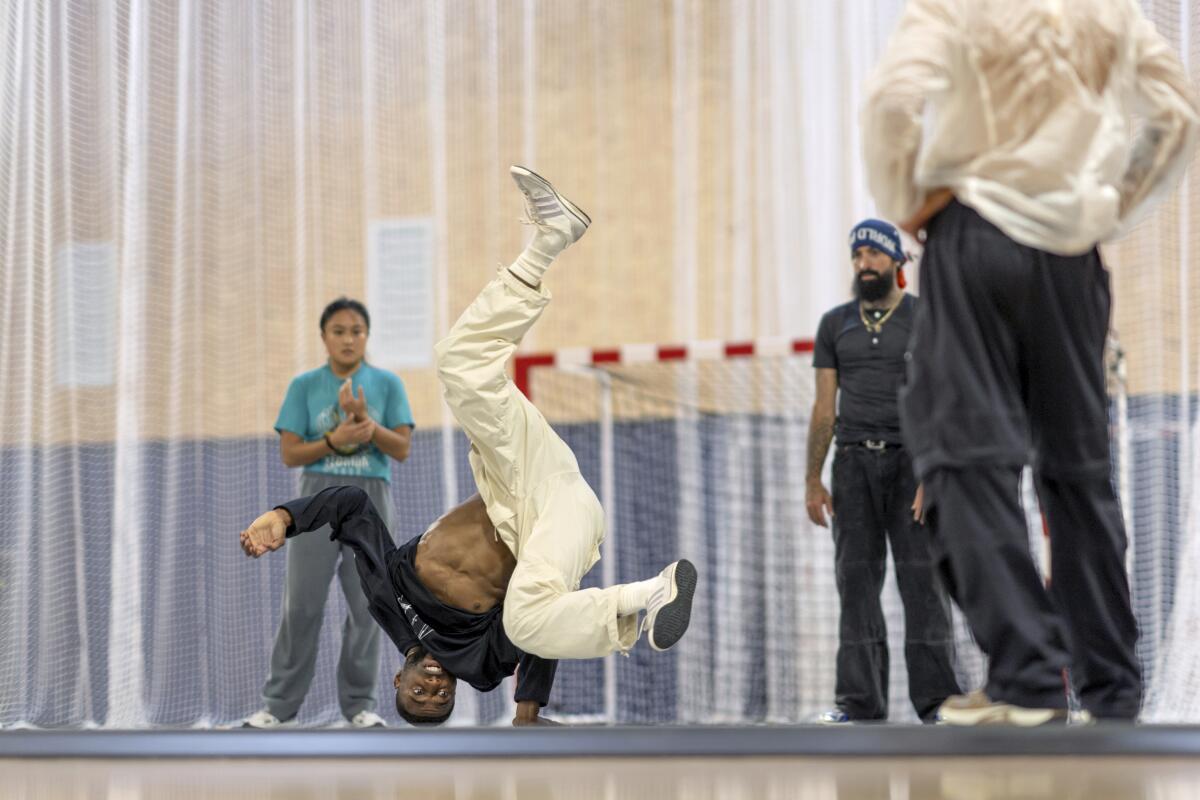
1080 717
265 720
547 209
976 708
670 607
834 716
367 719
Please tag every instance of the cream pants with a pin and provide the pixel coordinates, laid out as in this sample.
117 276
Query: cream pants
541 506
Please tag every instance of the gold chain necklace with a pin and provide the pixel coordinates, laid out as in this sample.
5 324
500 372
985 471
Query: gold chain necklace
877 325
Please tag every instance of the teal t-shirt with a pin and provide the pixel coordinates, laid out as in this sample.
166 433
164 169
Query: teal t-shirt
310 410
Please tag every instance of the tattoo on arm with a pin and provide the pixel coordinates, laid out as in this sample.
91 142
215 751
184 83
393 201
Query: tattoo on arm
820 434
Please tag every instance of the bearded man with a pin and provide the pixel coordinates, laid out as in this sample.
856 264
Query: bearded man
860 362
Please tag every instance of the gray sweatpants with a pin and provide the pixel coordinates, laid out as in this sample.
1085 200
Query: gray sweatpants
312 560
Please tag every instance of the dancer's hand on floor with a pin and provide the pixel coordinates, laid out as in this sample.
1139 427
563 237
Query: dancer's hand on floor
529 713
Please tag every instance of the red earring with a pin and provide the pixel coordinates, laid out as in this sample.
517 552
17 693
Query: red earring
900 281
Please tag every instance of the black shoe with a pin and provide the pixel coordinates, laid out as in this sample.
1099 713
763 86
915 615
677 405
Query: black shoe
670 608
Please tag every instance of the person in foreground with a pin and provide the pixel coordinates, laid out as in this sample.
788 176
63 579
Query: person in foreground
492 587
1006 130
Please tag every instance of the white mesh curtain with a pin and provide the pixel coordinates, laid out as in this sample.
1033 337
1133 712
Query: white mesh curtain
185 183
1157 292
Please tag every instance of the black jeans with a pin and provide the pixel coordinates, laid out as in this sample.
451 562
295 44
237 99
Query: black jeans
872 497
1006 369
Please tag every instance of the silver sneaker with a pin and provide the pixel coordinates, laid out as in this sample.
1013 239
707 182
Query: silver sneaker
670 608
367 719
547 209
265 720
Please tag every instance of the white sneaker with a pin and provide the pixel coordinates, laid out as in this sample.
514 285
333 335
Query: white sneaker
976 708
548 209
670 607
367 719
265 719
1080 717
834 716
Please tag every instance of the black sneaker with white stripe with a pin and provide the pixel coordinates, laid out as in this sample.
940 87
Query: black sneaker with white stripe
670 607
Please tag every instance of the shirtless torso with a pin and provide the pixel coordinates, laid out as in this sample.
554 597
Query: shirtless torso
460 560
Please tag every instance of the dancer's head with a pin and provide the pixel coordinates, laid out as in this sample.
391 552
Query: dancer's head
424 689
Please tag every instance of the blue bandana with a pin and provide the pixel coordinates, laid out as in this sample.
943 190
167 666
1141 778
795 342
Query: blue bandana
881 235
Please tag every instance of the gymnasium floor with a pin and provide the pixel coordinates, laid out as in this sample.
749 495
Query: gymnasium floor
655 763
582 779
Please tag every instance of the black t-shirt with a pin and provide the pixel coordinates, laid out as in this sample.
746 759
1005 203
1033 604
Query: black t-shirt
870 369
473 647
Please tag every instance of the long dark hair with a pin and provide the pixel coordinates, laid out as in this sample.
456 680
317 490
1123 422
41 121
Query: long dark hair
341 304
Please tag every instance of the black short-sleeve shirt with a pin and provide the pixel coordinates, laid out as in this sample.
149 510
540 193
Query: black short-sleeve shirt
870 369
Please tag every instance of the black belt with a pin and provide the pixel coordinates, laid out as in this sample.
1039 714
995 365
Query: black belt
875 444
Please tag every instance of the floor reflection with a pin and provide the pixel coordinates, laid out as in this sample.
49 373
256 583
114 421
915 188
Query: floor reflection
608 779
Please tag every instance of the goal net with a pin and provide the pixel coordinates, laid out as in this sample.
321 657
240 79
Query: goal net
700 452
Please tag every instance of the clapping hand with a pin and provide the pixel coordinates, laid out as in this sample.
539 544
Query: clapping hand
357 427
351 432
354 408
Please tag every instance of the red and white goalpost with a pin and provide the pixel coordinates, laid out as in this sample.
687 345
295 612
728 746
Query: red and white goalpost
699 450
654 353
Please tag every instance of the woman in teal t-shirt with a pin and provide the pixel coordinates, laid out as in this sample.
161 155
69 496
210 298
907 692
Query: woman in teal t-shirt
341 422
